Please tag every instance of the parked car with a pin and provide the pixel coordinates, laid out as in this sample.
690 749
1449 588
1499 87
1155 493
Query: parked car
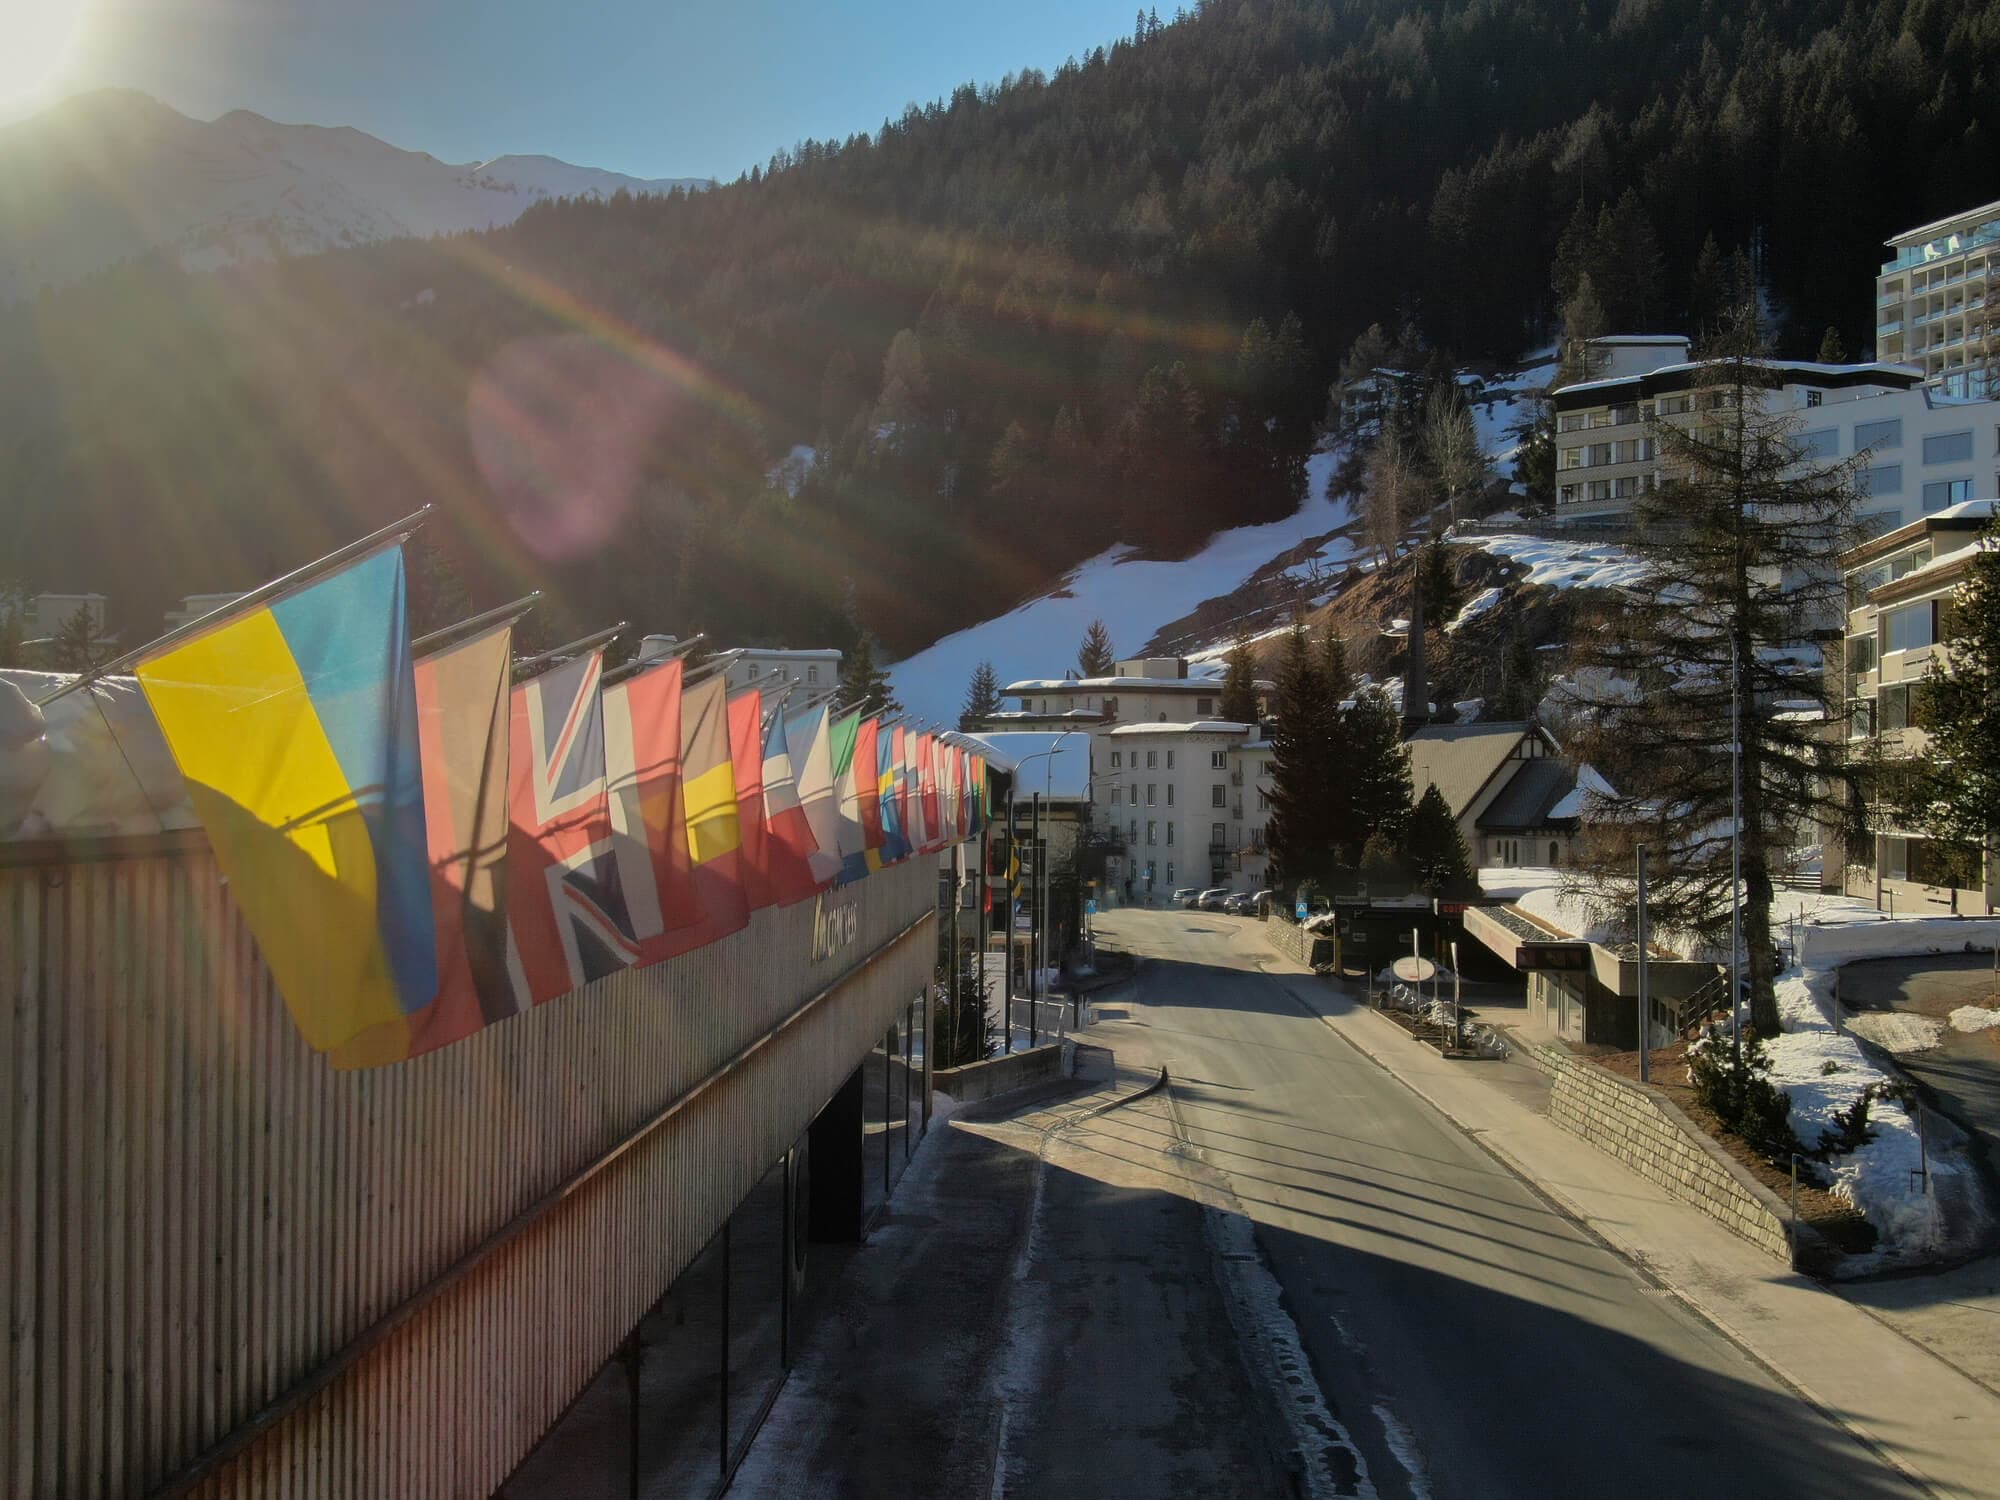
1184 896
1212 899
1260 903
1237 903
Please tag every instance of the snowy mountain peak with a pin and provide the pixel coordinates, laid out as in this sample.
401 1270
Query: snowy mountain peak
114 173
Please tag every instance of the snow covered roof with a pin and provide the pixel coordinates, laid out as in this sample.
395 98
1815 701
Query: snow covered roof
1925 231
1207 683
1198 726
1062 776
1963 516
1680 375
1460 760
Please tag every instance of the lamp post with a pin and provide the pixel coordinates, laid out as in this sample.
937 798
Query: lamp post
1037 905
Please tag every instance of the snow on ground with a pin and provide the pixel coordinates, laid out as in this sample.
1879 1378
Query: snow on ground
1974 1018
1564 564
1217 653
1499 406
790 471
1476 606
1132 598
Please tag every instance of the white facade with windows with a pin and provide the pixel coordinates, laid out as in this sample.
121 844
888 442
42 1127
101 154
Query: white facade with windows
1934 301
1899 590
1921 450
1142 690
1188 800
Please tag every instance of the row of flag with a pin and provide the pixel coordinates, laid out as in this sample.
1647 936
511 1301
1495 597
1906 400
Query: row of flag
423 847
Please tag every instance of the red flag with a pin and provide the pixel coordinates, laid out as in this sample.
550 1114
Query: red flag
642 752
746 755
788 832
866 786
927 763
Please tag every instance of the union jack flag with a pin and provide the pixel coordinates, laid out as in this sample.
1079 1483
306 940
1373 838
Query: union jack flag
568 919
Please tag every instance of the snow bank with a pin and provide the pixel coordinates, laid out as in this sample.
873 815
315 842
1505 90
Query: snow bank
1564 564
1974 1018
1823 1071
1132 598
1476 606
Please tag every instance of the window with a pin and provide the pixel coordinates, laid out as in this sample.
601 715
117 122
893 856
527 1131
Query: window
1149 872
1263 800
1567 495
1573 458
1948 448
1674 406
1117 760
1822 442
1151 829
1152 760
812 674
1942 492
1170 761
1812 399
1861 718
1880 522
1908 628
1135 830
1860 653
1170 794
1170 830
1117 795
1878 435
1571 421
1901 706
1151 786
1883 479
1218 835
1218 795
1218 760
751 674
1170 872
1204 706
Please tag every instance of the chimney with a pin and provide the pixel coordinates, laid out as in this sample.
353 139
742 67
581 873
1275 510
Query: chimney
1416 683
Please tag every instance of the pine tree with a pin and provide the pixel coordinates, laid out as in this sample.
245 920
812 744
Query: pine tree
1583 325
1238 704
77 646
1520 691
1333 666
982 697
1095 657
863 685
1831 350
1955 791
1437 852
1378 774
1653 712
1301 834
1439 581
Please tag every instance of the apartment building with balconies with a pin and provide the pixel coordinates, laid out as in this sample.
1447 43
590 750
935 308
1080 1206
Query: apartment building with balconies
1934 306
1922 449
1899 592
1187 800
1140 690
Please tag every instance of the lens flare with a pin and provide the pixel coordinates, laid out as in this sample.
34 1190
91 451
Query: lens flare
38 39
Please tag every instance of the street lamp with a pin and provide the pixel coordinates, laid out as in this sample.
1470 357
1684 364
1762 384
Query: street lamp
1037 907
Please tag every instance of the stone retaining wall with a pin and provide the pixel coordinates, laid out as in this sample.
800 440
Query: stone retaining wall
1000 1075
1650 1135
1296 943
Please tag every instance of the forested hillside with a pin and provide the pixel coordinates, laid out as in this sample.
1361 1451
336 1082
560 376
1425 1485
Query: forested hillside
1044 315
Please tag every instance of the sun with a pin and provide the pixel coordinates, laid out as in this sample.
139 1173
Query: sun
38 40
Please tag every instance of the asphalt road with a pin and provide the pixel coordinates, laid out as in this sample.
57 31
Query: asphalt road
1471 1338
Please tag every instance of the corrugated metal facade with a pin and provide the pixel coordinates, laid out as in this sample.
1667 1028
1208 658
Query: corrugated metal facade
204 1219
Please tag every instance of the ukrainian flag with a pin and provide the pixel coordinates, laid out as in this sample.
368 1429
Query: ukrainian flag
295 725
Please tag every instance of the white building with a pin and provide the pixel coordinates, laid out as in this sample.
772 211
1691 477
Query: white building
49 613
1185 800
1140 690
1934 301
1924 450
194 606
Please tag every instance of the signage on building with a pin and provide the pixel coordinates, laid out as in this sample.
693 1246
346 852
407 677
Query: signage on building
834 928
1568 958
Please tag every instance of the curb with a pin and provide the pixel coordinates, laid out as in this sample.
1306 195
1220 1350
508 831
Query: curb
1581 1217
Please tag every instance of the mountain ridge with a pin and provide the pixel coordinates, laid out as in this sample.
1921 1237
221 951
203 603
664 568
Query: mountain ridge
109 174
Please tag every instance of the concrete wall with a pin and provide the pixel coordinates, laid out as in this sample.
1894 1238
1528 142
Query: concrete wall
1296 943
1000 1075
1652 1137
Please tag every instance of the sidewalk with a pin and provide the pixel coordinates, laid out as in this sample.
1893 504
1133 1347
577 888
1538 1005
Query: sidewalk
1932 1422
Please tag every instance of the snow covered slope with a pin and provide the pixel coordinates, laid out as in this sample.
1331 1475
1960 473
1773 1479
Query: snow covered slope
1039 639
111 174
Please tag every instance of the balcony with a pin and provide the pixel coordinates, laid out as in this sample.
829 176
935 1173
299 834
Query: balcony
1218 851
1882 330
1236 779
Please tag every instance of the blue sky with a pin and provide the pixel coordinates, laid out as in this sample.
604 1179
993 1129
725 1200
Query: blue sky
662 89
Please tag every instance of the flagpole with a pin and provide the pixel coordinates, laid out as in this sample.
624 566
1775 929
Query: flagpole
437 638
574 648
395 531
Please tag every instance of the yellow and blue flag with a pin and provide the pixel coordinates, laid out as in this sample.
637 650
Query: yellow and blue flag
295 725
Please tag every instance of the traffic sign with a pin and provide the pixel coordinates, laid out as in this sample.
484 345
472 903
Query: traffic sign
1413 970
1299 910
